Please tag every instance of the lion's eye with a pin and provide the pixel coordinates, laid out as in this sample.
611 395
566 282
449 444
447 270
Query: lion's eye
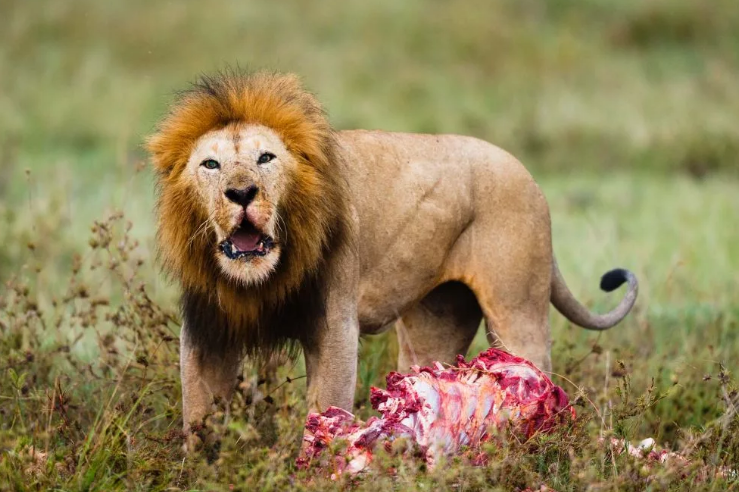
265 158
210 164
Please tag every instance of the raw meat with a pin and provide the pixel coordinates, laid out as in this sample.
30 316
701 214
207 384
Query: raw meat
440 411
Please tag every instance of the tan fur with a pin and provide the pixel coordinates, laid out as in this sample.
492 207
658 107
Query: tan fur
434 232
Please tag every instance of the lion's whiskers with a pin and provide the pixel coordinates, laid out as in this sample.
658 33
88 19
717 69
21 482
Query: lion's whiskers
202 229
280 226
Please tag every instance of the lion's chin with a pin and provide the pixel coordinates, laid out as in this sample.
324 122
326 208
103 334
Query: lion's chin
249 269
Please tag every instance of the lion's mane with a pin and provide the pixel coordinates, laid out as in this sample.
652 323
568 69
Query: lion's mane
313 211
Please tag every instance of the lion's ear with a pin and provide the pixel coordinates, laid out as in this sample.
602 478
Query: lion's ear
152 146
161 154
160 167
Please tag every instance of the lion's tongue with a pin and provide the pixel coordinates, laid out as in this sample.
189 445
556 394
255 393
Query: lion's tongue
246 239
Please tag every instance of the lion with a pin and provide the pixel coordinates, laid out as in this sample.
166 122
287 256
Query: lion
283 232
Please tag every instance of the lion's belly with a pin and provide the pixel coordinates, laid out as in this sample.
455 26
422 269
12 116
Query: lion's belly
411 267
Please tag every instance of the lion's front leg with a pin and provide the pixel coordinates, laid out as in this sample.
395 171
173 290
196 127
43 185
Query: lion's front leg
331 357
331 365
208 379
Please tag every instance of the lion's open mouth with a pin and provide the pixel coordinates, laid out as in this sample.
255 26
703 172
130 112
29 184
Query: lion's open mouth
246 241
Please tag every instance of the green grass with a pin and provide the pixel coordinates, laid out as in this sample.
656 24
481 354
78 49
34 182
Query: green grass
625 113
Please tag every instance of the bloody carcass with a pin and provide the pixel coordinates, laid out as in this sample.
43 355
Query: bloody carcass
440 411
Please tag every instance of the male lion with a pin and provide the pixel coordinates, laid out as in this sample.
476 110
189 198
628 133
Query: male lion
281 230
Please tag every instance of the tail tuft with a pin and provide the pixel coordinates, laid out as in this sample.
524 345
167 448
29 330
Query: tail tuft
614 279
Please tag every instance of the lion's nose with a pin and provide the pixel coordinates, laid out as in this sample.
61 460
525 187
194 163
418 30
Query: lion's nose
242 196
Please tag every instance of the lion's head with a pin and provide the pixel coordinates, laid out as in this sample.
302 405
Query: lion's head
248 199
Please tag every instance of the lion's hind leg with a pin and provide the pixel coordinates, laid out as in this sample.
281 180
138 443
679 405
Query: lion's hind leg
514 297
439 327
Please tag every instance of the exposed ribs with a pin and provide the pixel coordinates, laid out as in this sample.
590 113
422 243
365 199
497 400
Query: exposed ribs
439 411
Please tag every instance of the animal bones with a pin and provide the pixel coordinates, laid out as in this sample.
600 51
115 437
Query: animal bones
441 410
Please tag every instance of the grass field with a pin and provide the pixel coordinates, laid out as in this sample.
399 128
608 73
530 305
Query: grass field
626 114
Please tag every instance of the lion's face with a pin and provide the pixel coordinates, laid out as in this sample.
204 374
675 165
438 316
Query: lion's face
241 173
248 198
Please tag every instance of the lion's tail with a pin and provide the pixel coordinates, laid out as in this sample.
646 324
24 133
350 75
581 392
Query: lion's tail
571 308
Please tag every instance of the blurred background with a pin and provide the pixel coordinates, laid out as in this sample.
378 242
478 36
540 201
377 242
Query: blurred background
626 113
